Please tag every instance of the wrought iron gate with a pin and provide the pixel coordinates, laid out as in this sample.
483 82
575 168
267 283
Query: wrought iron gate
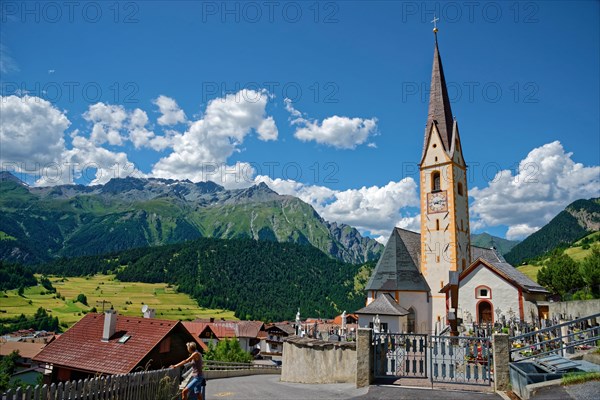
460 359
400 355
452 359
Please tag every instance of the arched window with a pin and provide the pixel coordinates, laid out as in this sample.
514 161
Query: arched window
437 224
459 188
435 181
411 321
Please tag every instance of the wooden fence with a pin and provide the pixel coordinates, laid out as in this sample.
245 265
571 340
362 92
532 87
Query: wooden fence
148 385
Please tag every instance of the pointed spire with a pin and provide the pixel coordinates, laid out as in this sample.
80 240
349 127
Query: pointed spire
440 112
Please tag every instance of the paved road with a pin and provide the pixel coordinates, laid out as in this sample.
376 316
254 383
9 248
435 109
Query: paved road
259 387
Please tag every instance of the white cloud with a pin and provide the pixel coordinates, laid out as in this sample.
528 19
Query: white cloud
370 209
267 130
547 181
7 63
519 231
31 132
32 135
335 131
171 113
212 139
108 121
85 155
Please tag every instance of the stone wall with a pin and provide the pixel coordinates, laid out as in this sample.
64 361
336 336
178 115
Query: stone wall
576 308
308 360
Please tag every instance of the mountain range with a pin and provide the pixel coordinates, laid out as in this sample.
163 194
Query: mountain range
41 223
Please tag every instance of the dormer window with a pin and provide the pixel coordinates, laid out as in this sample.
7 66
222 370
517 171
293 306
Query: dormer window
435 181
483 292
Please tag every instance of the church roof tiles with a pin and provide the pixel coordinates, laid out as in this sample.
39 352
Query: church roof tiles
383 305
398 267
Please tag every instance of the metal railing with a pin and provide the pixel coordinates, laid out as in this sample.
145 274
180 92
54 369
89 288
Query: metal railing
556 339
210 365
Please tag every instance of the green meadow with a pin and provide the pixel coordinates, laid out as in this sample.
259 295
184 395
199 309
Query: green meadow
127 298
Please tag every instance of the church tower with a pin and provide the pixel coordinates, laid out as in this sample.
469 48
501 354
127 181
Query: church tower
445 237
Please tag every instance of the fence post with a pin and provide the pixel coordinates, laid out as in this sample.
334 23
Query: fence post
501 351
364 358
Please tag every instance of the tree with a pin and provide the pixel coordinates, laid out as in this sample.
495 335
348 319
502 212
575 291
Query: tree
82 299
590 272
561 275
7 368
228 350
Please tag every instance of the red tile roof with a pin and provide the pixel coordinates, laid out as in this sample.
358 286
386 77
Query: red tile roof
82 348
25 349
226 329
195 328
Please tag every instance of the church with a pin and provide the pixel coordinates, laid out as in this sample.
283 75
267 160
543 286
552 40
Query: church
420 277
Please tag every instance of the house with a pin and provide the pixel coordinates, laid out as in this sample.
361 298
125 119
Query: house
245 332
114 344
272 343
27 370
491 289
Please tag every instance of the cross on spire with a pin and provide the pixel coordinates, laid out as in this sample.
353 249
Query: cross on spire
434 22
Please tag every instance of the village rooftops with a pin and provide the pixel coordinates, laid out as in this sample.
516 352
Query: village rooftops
226 329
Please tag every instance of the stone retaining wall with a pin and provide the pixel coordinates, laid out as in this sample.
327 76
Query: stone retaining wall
308 360
575 308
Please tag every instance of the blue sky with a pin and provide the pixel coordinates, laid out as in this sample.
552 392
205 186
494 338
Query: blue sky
84 85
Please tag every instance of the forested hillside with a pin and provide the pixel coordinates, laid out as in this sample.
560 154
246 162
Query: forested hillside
258 279
579 219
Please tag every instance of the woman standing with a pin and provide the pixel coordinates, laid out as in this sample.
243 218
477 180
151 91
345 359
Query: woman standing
195 383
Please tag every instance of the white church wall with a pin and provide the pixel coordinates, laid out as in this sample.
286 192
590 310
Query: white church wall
504 296
418 301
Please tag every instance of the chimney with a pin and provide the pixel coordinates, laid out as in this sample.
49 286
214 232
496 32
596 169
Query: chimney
110 324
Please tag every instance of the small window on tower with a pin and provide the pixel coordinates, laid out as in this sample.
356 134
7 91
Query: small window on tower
459 188
464 264
437 224
435 181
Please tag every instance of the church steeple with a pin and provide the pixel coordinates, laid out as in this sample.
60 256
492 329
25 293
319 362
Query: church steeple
440 112
445 238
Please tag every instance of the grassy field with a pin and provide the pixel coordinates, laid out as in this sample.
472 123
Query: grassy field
126 297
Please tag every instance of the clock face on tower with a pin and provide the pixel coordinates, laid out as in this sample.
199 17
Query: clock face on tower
437 202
